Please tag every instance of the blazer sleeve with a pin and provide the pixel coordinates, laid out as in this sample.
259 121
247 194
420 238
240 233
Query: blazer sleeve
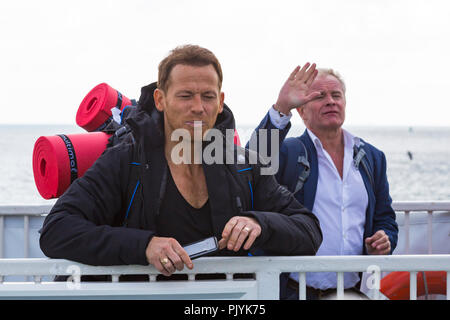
282 151
84 224
384 216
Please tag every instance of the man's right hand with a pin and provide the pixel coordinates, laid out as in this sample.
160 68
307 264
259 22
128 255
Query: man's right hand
167 255
295 91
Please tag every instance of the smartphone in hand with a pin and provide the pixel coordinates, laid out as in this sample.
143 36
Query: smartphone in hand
202 247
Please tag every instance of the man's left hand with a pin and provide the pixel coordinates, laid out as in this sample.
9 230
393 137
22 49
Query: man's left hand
378 243
237 230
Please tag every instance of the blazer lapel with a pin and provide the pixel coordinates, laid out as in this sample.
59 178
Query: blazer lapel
310 186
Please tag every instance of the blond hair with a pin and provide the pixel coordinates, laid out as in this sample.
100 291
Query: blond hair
331 72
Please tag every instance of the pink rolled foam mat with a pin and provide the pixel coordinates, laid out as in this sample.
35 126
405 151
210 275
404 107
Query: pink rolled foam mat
95 109
236 139
58 160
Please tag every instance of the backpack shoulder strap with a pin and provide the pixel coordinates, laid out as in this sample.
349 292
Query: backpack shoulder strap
120 132
133 184
360 157
243 168
298 167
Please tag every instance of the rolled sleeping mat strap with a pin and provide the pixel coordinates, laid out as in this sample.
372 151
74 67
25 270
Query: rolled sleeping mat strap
95 112
59 160
72 157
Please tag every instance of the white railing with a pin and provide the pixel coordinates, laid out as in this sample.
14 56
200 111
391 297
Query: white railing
19 225
430 207
24 213
265 284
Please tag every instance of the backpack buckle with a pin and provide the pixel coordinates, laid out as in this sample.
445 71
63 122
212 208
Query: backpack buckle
357 156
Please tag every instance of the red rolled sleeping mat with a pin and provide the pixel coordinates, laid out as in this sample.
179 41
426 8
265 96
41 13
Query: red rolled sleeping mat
236 139
95 109
58 160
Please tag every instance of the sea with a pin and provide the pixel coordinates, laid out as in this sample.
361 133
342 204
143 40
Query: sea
418 159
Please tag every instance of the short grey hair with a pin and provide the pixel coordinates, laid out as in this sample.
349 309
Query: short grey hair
331 72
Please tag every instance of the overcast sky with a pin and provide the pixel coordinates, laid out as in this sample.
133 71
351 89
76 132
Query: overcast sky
393 55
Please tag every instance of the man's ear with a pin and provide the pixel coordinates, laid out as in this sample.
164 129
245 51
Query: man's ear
301 111
159 97
221 102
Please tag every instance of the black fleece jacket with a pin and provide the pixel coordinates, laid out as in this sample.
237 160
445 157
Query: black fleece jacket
88 224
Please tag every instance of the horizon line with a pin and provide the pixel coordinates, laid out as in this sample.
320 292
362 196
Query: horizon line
249 124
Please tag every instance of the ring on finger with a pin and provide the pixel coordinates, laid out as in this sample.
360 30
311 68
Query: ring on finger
247 229
164 261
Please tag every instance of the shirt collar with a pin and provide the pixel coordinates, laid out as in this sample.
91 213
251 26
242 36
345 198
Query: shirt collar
348 139
315 140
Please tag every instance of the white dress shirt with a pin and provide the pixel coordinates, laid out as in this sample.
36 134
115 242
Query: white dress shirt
277 120
340 205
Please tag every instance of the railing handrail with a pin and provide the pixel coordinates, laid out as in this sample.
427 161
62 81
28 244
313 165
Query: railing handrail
415 263
20 210
266 270
414 206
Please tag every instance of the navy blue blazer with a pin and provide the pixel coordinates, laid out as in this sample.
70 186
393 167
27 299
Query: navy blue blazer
379 214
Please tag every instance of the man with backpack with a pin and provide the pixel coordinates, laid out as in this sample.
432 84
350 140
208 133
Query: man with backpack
338 176
139 204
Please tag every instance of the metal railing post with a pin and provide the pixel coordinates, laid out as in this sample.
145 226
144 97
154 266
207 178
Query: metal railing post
340 286
406 232
413 285
26 236
302 285
448 285
268 285
2 229
430 231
